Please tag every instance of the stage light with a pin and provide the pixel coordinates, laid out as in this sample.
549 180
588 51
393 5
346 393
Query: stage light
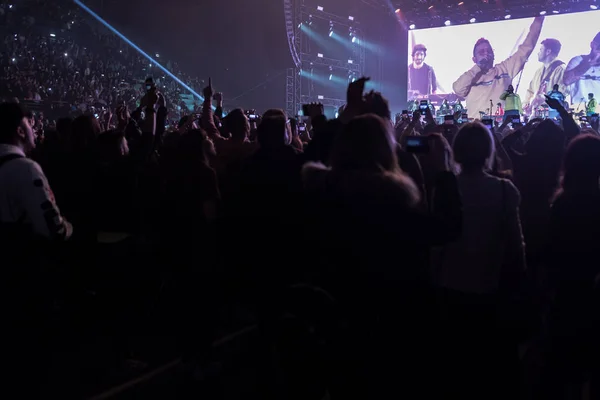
507 16
351 18
542 12
330 33
354 39
594 7
320 97
472 20
300 25
555 12
461 3
52 35
412 26
319 8
430 7
330 76
319 55
350 62
137 48
157 56
447 23
397 11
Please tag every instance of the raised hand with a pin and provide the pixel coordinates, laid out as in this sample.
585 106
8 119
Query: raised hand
354 95
314 110
553 103
208 91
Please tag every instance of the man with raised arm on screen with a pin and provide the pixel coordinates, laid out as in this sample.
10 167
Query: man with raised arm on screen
487 80
582 75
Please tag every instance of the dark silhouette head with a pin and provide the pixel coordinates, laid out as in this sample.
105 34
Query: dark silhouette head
364 145
581 164
473 147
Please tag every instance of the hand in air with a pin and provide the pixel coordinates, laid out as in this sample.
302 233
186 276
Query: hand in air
208 91
354 95
553 103
313 110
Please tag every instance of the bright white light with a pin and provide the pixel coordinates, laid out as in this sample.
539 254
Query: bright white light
351 18
157 56
14 59
350 62
412 26
507 16
472 20
330 33
594 7
555 12
319 55
320 97
447 23
52 35
149 65
542 12
10 6
354 39
66 55
397 11
330 76
319 8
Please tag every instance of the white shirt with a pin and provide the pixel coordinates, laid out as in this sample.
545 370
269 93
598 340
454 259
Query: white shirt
26 197
491 230
582 87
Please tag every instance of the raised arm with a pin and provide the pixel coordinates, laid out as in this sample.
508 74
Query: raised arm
514 64
208 123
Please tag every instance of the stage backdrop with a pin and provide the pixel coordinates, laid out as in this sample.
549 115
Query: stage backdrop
450 49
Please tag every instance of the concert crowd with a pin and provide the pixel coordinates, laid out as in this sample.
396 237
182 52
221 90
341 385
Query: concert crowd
373 257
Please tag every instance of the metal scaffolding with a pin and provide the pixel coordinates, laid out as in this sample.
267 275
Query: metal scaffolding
299 84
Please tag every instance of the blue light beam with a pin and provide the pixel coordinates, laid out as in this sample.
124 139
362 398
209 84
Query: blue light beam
142 52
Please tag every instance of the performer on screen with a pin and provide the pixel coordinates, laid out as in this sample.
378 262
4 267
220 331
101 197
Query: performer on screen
549 74
487 80
582 75
421 76
558 95
512 103
590 109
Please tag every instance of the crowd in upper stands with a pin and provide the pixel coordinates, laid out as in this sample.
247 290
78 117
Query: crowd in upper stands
462 267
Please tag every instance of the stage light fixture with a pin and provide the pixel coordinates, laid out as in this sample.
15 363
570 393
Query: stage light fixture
350 62
507 16
320 55
411 26
157 55
320 97
397 11
351 18
461 3
354 39
330 76
447 23
555 12
330 33
430 7
594 7
319 8
472 20
52 35
542 12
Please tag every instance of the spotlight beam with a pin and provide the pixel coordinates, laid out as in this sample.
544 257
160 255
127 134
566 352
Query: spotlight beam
136 47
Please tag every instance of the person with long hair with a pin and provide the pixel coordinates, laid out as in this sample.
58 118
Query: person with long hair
574 269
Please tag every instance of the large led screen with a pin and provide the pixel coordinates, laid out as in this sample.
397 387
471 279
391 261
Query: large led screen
532 54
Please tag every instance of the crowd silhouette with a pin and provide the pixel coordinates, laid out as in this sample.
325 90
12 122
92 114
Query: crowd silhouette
464 269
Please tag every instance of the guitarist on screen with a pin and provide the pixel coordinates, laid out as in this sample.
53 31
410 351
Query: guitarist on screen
544 79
